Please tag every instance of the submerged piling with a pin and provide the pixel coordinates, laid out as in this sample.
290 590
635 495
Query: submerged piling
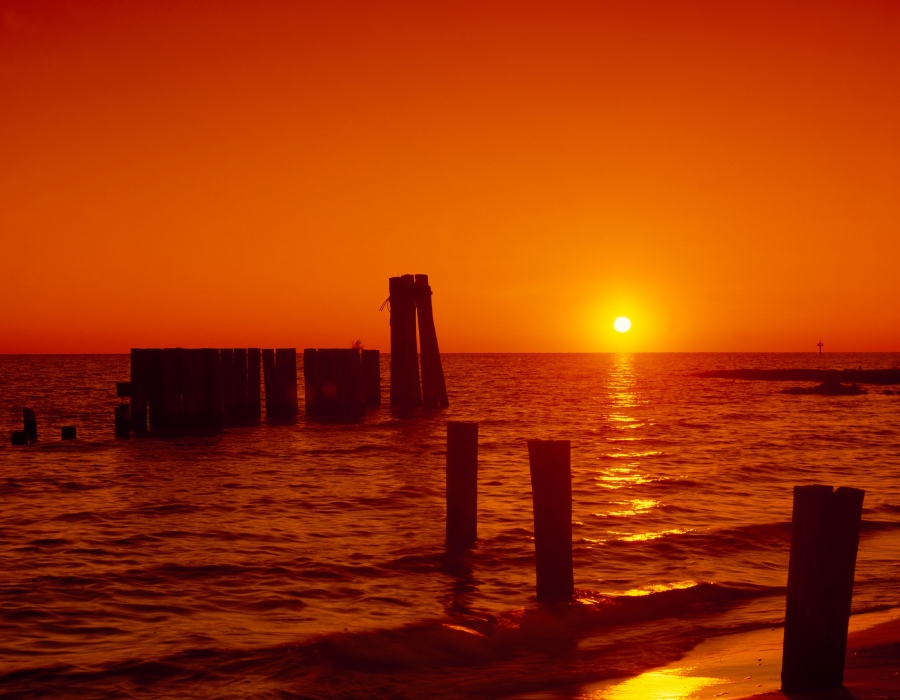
30 425
434 388
405 390
824 542
462 485
551 492
122 421
254 405
19 437
69 432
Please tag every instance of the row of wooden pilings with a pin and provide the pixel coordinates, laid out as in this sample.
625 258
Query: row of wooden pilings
824 544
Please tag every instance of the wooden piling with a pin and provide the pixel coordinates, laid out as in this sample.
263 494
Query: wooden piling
122 422
462 485
188 390
155 393
19 437
270 381
371 370
240 385
434 388
354 389
286 372
69 432
30 425
227 360
405 390
309 380
213 396
824 542
139 377
551 492
254 405
123 389
172 390
200 419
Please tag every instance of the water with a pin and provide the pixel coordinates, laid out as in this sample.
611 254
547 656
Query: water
307 560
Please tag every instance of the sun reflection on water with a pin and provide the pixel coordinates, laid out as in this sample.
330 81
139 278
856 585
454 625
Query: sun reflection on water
669 684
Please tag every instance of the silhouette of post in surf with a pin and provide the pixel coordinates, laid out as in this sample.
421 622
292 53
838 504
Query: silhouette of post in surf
227 359
405 391
240 385
462 485
254 405
434 389
824 542
200 419
188 390
172 390
371 371
273 407
29 421
139 375
68 432
155 393
213 396
551 492
19 437
122 421
286 373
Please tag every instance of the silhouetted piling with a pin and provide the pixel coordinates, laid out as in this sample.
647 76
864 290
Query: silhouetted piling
123 423
123 389
69 432
462 485
188 390
19 437
155 394
371 371
213 396
240 385
309 380
551 492
405 390
172 390
254 404
227 359
273 406
286 371
140 368
434 388
824 542
30 425
199 391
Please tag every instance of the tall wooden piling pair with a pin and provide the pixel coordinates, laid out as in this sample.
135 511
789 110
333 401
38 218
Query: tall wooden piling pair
410 296
341 383
178 390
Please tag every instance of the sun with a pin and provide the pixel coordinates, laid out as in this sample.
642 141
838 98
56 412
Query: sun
622 324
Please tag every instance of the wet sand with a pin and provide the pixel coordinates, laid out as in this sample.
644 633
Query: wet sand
749 664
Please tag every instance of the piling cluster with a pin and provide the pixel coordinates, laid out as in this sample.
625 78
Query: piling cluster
341 383
410 297
182 390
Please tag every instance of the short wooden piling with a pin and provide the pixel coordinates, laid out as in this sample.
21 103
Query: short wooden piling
286 371
462 485
434 388
172 390
123 422
19 437
30 424
188 390
240 385
227 359
254 404
354 390
199 391
270 381
824 542
405 389
551 492
155 394
69 432
139 377
371 370
309 380
213 396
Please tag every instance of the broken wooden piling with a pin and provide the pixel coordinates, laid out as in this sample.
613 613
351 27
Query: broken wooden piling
434 388
405 391
462 485
19 437
824 541
551 492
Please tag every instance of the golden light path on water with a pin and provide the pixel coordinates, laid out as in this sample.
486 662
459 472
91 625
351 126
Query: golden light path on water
669 684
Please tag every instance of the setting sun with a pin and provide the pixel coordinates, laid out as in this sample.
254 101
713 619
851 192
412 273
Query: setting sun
622 324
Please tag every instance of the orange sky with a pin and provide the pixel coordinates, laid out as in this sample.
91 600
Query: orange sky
220 173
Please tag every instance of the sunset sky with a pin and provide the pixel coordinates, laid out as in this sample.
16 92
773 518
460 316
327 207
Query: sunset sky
725 174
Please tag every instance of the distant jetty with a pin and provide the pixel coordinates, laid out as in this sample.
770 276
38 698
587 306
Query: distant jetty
846 376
